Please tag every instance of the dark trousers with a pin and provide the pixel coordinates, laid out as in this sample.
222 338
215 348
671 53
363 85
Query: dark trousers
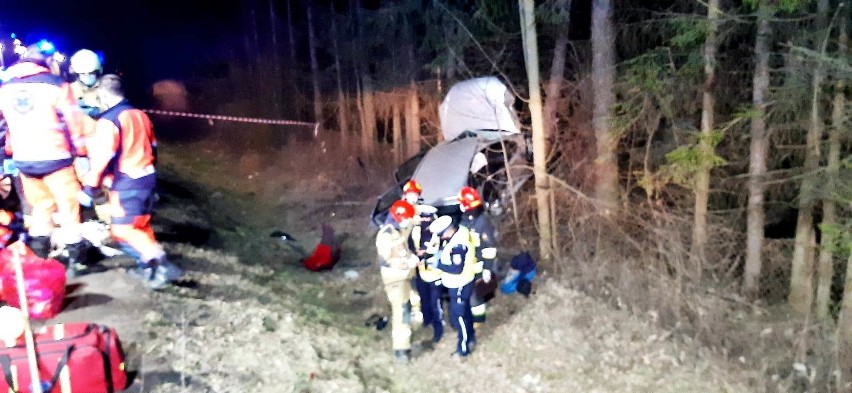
462 318
430 305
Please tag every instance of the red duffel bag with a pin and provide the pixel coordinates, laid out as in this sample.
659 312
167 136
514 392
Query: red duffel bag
72 358
44 283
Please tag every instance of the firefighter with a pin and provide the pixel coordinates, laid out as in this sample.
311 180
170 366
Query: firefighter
45 134
428 278
456 259
397 268
86 66
482 235
122 154
412 192
13 200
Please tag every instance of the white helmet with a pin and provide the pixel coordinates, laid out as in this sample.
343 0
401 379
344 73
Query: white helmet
85 62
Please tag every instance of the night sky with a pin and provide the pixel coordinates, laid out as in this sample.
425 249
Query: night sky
146 40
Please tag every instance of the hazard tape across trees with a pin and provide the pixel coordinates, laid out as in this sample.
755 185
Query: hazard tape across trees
240 119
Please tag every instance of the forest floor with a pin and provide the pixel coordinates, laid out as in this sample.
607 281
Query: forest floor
251 319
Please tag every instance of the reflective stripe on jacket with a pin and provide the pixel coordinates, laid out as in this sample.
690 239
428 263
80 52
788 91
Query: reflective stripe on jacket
122 148
45 128
458 260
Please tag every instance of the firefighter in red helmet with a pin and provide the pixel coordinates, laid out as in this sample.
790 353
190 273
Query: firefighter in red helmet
412 191
484 239
397 264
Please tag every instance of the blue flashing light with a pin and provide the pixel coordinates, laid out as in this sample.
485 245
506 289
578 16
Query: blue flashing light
13 35
46 47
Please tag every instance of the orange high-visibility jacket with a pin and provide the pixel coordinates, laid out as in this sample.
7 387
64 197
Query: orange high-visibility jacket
45 124
122 149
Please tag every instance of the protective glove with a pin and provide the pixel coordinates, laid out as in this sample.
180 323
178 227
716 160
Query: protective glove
9 167
486 276
412 261
103 211
91 195
81 165
432 262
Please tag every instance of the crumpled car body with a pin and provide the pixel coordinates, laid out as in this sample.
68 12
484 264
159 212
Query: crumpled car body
483 145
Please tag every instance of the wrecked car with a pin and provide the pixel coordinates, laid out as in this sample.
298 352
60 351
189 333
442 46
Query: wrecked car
483 147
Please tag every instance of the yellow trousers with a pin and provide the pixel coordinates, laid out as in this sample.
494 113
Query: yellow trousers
398 293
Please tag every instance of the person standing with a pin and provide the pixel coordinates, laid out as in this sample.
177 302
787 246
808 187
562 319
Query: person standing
457 260
123 151
482 234
44 137
397 264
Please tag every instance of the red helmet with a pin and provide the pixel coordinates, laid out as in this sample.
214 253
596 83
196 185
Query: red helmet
401 210
412 186
469 198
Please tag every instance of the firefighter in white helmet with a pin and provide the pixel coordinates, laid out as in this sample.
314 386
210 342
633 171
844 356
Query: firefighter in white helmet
86 66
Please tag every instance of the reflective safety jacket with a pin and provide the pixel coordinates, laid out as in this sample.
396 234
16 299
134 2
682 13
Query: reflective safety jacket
395 259
122 149
482 234
45 129
422 239
457 260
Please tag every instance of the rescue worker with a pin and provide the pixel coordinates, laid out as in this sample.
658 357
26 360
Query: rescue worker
11 175
482 235
456 259
428 278
86 67
397 268
45 134
412 192
122 153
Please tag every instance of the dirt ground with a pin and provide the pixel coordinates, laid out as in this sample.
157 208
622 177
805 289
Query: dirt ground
250 319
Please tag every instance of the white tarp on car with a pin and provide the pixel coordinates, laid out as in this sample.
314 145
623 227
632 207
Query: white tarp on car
478 104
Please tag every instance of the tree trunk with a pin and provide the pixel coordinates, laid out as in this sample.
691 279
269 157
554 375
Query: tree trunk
702 179
397 132
290 34
342 106
758 153
255 37
554 85
412 122
276 68
801 277
312 42
368 137
542 182
603 78
844 325
825 267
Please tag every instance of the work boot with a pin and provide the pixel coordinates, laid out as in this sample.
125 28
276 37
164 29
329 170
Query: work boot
147 273
402 355
40 245
169 271
75 262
